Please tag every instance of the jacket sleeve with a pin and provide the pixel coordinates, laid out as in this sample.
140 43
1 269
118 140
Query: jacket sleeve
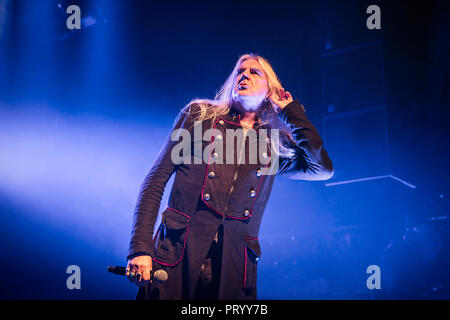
311 161
151 191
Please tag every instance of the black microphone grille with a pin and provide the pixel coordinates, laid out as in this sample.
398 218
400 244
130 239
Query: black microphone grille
117 270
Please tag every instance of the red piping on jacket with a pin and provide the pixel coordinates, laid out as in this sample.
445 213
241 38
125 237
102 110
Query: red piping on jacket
238 124
156 235
206 174
245 257
184 244
245 263
184 214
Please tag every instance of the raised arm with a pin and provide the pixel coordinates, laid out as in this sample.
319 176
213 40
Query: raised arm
311 161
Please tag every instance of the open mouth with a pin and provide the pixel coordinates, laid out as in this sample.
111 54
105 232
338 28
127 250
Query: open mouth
242 86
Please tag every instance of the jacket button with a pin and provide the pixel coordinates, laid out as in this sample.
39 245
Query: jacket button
252 193
206 196
211 174
258 173
246 212
221 122
219 137
264 155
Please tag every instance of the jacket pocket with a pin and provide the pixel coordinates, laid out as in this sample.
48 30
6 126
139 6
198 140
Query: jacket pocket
172 237
252 253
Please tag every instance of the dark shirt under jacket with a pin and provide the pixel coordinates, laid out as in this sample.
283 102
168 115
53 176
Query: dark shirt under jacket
207 196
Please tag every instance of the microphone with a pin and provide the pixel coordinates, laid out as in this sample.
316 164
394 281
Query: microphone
159 275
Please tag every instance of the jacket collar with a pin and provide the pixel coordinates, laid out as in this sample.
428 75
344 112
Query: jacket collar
234 116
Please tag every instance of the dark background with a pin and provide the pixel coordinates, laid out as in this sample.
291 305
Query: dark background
83 114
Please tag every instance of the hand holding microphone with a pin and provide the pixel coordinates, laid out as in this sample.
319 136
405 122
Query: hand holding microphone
160 276
139 271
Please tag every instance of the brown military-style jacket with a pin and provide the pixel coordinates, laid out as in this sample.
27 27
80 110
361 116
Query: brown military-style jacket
208 194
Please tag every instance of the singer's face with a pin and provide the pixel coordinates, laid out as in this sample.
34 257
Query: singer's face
250 83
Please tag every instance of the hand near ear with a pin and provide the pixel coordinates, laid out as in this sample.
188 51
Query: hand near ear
279 101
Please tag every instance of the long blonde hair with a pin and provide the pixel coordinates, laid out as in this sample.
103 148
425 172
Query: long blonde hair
210 109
